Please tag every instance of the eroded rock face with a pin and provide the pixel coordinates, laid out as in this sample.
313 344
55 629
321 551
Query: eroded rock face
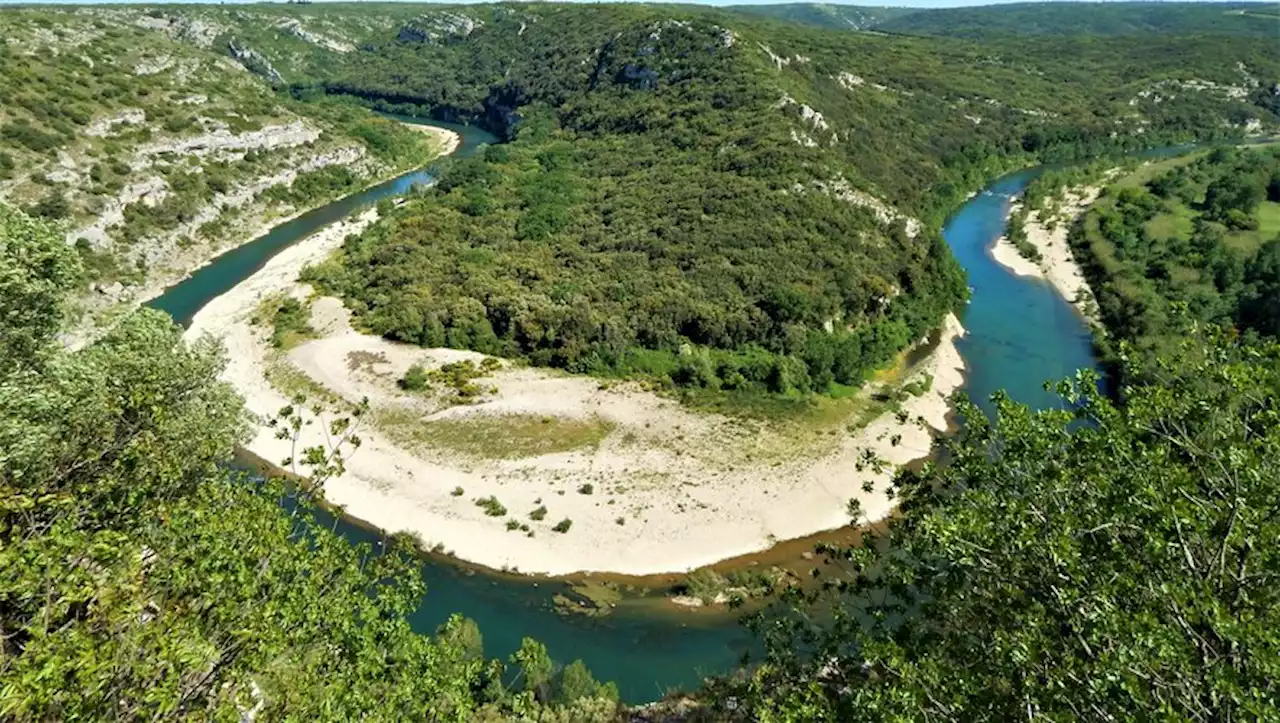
223 140
254 61
294 27
438 28
111 125
883 212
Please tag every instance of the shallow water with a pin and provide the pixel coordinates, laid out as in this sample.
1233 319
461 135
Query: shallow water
1021 333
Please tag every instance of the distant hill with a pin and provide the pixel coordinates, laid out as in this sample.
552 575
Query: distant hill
1043 18
1100 19
824 15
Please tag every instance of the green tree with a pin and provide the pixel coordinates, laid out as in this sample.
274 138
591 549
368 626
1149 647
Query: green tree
36 269
536 667
140 579
1261 307
1233 192
575 682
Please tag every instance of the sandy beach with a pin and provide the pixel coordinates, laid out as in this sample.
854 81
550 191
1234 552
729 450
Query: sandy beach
649 486
1057 265
448 140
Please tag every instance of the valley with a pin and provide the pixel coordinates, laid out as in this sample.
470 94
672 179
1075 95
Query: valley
883 328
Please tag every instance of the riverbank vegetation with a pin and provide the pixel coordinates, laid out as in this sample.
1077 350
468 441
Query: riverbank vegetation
153 150
1145 521
1195 237
1100 561
1109 561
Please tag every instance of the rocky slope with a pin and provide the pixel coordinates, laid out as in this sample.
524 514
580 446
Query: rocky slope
155 148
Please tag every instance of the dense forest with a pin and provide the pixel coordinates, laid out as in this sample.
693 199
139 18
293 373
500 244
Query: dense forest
1117 568
719 203
825 15
1258 19
1195 237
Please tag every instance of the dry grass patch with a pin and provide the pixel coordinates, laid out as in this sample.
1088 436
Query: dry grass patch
483 436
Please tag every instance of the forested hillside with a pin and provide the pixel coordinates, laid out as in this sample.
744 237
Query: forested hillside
702 198
824 15
142 580
1256 19
730 202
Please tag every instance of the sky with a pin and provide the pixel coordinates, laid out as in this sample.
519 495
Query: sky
870 3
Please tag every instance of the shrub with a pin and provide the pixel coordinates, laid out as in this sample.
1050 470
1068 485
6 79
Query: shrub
586 489
920 386
53 206
457 492
512 525
563 525
289 321
539 514
415 379
492 507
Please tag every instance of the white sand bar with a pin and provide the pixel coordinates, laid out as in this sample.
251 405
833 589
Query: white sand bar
1057 264
689 488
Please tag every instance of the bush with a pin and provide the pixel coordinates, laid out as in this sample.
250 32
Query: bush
492 507
416 378
539 514
53 206
288 322
457 492
586 489
920 386
563 525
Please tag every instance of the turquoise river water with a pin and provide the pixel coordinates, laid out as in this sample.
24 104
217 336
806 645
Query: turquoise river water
1020 333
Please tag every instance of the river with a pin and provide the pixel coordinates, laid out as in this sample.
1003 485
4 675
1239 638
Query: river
1020 333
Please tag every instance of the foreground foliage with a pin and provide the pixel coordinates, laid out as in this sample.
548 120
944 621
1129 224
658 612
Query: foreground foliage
1101 564
141 580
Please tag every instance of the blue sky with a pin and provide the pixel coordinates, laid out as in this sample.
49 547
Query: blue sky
895 3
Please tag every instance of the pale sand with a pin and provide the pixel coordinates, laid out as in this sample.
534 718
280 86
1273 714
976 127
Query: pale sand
448 140
1057 263
693 488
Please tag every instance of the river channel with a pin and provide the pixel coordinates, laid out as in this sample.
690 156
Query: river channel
1020 333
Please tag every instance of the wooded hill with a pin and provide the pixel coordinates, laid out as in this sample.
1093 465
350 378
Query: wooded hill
703 198
1103 563
1259 20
